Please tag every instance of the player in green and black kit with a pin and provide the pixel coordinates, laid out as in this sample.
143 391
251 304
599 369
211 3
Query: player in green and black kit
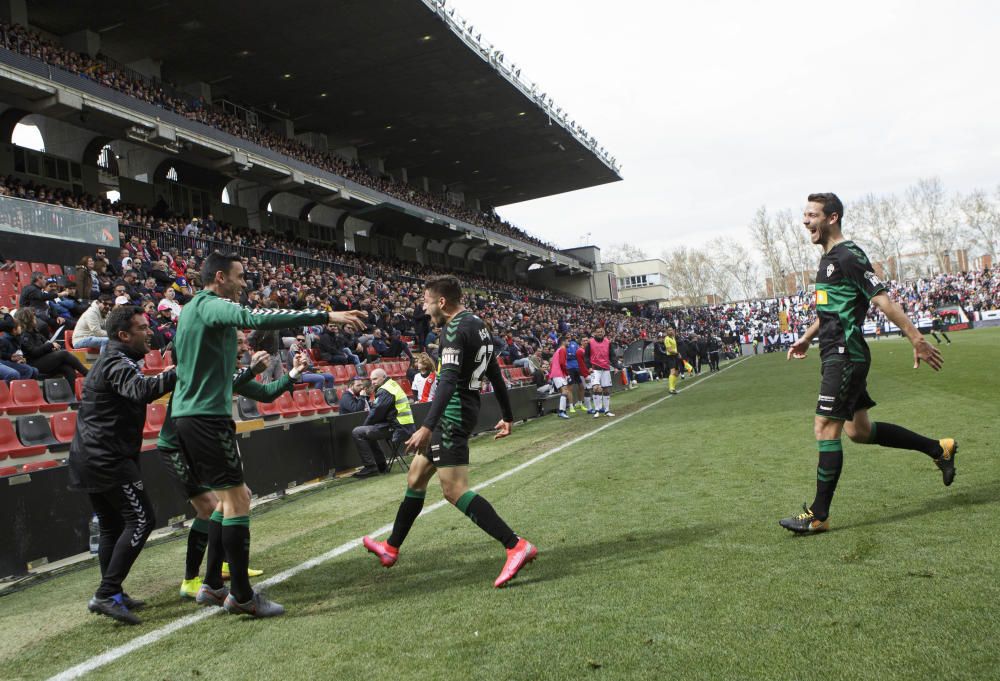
846 285
207 507
467 356
202 407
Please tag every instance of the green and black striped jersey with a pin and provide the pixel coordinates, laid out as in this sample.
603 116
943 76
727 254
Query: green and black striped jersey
845 285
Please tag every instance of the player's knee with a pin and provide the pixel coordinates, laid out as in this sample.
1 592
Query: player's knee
452 492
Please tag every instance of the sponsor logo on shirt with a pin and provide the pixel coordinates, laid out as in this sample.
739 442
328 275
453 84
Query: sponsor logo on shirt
449 356
821 297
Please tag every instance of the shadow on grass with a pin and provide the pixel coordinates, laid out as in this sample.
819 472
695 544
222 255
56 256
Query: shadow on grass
365 583
976 496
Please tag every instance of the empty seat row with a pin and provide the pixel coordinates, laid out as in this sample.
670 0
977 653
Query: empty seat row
33 434
26 397
7 471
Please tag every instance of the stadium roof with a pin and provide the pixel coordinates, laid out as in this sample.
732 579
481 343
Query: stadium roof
388 77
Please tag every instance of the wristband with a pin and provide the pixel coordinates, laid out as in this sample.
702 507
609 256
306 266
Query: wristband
294 374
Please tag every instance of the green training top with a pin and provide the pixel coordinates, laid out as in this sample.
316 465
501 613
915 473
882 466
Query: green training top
205 349
243 384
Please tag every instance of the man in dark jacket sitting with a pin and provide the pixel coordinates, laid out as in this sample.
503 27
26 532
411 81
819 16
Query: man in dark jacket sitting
390 419
104 455
353 399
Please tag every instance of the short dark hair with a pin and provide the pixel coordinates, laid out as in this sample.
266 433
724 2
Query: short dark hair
106 298
120 319
445 286
217 262
831 204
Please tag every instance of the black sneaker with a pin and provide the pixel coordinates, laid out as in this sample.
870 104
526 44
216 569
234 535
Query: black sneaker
805 522
113 609
367 472
132 603
946 462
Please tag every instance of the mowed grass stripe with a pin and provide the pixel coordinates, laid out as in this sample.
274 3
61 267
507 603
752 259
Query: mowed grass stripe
152 637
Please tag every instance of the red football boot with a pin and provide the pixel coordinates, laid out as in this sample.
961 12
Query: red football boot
388 555
519 556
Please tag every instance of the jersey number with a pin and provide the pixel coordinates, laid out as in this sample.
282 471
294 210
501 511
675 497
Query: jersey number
482 359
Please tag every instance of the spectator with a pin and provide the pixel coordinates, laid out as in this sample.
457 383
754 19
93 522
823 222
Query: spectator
44 354
425 380
390 419
12 363
87 285
353 400
89 331
36 296
170 303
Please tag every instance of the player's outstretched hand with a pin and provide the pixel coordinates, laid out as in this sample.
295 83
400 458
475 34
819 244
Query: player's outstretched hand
355 319
925 352
259 362
502 428
418 441
799 349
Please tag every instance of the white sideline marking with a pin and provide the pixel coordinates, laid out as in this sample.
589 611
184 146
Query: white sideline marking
109 656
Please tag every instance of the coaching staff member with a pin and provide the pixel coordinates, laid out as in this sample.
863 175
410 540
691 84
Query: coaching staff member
104 455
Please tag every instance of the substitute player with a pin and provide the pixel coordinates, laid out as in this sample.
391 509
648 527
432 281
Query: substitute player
208 510
559 377
845 286
205 350
598 354
467 356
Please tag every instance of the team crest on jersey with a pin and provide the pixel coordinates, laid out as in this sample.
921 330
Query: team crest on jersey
829 269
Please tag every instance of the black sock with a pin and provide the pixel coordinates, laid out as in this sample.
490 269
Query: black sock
481 513
409 509
197 543
891 435
236 540
216 552
831 461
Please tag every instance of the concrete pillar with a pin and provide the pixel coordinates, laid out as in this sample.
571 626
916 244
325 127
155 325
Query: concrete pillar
423 183
14 11
349 153
314 140
86 41
199 89
147 66
283 127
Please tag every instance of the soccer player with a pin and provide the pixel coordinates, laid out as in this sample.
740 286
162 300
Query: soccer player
575 377
673 358
936 326
599 355
845 286
559 375
205 351
467 355
104 455
206 504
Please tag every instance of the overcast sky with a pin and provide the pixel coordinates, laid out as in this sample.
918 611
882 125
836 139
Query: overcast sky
715 108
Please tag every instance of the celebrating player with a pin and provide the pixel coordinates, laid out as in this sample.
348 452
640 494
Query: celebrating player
205 349
845 285
467 355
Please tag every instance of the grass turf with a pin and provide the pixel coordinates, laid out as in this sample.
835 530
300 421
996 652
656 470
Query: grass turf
660 553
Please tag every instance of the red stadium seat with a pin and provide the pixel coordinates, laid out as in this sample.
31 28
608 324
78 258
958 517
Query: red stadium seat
40 267
153 363
406 386
38 465
343 373
23 271
269 411
7 471
286 405
5 402
168 358
11 446
27 399
79 387
54 270
156 414
318 402
304 403
64 426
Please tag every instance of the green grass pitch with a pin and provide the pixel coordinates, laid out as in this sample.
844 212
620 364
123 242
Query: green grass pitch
660 553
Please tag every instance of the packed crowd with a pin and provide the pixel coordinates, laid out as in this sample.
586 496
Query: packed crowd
17 38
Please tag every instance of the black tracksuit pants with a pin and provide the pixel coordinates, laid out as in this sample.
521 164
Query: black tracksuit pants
126 517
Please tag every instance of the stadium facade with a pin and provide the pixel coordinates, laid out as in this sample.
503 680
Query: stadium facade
436 126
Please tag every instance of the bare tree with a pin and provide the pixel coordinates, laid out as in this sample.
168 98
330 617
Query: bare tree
876 222
689 274
981 220
742 270
933 226
623 252
800 254
768 238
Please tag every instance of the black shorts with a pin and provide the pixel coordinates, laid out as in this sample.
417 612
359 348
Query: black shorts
673 362
450 442
843 390
180 472
208 444
575 377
